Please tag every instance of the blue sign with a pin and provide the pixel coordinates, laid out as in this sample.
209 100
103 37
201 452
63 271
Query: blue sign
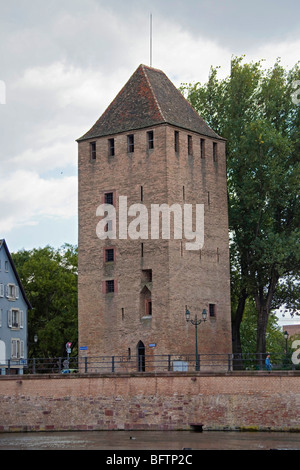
83 348
152 345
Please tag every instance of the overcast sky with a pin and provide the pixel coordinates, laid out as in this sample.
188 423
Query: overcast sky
63 61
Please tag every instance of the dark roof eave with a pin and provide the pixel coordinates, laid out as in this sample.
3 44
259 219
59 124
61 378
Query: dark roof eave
137 128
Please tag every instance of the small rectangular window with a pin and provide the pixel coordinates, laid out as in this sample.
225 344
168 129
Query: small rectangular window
148 308
109 255
111 147
215 151
93 151
17 349
202 148
190 145
110 286
130 142
109 198
6 266
15 318
109 226
146 275
176 141
150 138
212 310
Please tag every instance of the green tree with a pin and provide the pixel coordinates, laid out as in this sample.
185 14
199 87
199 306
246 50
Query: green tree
49 277
254 110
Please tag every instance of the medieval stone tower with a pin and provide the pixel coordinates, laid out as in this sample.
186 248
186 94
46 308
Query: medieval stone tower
151 148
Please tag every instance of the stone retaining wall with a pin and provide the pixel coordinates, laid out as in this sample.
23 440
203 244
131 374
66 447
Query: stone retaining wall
171 401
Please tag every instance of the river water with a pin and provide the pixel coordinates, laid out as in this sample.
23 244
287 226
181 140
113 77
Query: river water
150 440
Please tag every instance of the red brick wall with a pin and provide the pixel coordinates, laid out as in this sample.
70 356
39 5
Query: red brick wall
112 324
257 400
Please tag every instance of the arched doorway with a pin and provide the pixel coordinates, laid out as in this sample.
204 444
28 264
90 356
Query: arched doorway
141 356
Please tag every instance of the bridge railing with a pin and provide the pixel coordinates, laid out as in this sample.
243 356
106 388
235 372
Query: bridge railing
146 363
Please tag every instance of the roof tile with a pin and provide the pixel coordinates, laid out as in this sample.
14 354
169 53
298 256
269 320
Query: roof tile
148 98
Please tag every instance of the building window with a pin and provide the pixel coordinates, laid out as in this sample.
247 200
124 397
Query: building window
12 292
109 226
148 307
130 143
215 151
109 255
212 310
17 349
111 147
147 275
15 318
109 198
110 286
1 290
6 266
93 151
202 148
176 141
150 139
1 312
190 145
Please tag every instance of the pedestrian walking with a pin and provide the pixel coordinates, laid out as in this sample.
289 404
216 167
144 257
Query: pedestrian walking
268 362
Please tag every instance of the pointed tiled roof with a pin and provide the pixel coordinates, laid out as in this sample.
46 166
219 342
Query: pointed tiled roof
148 98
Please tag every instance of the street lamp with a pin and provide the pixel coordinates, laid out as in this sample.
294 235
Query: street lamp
195 322
286 337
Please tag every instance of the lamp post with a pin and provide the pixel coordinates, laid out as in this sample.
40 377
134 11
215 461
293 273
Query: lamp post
195 322
286 337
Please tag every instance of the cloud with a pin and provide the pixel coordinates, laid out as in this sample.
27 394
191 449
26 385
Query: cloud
25 198
64 64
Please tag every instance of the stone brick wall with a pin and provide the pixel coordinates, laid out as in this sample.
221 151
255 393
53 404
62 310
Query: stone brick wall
256 401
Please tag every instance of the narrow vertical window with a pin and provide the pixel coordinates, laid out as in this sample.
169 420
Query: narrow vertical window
142 193
176 141
212 310
150 140
202 148
109 255
215 151
148 308
111 147
93 151
130 143
190 145
142 250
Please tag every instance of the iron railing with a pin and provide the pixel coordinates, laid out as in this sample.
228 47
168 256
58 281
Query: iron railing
146 363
